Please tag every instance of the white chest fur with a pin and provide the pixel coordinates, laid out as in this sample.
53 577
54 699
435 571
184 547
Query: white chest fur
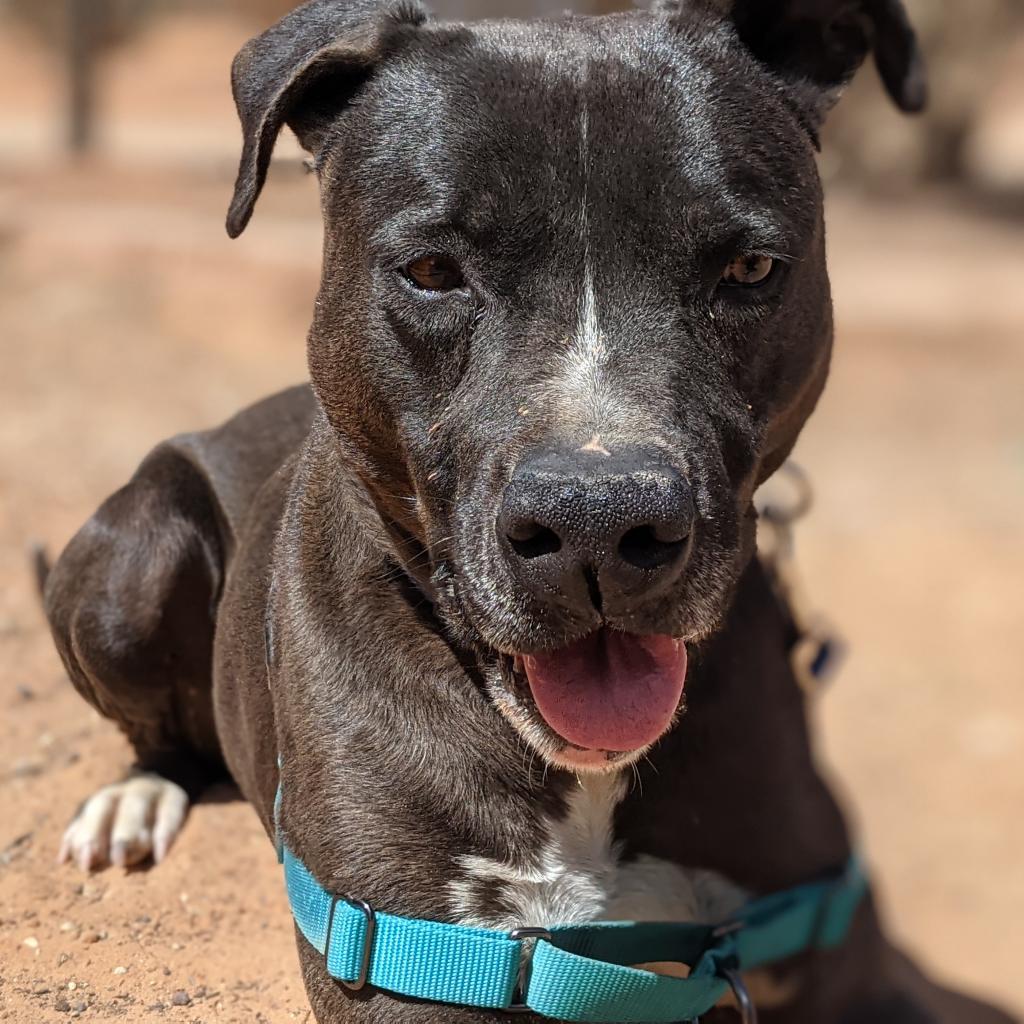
577 875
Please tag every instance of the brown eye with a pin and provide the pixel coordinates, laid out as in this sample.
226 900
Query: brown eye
435 273
748 271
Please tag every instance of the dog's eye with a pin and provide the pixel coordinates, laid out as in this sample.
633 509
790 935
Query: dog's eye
748 271
435 273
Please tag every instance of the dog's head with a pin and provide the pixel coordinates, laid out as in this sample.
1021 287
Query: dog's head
574 311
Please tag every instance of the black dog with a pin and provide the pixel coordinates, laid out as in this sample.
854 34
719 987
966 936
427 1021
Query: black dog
575 310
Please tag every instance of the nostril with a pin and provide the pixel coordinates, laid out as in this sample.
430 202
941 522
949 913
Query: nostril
641 547
534 541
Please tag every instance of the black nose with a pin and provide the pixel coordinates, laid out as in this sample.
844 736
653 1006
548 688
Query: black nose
587 530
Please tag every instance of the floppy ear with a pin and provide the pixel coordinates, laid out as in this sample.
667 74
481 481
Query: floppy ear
816 46
301 73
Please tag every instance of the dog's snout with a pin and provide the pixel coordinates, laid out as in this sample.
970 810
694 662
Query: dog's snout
585 530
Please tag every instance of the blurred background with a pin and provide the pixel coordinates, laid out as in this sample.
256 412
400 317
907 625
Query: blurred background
126 315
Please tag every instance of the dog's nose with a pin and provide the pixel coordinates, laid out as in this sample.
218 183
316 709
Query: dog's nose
586 530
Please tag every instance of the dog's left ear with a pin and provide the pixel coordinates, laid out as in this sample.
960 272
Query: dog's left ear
302 72
816 46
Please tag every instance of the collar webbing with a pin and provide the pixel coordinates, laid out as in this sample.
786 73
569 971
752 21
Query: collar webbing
576 972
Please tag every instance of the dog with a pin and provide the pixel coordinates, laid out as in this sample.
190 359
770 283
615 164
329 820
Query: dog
480 610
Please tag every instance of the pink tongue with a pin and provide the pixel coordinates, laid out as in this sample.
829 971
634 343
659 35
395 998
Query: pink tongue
609 691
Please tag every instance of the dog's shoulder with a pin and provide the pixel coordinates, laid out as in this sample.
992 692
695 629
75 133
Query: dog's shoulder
237 457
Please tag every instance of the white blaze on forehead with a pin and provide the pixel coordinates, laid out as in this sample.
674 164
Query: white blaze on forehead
587 353
580 383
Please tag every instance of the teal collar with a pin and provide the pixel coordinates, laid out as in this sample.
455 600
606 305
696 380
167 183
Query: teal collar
576 972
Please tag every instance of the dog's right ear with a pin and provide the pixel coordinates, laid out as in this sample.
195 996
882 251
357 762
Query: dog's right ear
816 46
301 73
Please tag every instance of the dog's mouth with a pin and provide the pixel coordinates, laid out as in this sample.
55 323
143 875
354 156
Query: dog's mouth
610 691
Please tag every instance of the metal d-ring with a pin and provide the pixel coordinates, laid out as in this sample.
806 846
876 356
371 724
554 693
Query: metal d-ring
519 996
748 1011
786 515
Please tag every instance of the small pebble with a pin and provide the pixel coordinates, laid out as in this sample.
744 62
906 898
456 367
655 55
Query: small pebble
32 942
61 1005
79 1006
120 970
27 768
180 998
91 937
67 926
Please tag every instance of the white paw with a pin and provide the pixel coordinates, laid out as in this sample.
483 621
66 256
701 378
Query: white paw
126 823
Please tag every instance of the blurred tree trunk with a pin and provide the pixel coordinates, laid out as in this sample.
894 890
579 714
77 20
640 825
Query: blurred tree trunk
80 31
80 46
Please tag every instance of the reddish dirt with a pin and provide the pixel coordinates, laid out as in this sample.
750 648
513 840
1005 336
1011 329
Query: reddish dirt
126 315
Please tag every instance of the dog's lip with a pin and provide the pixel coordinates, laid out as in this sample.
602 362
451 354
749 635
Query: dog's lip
589 759
608 691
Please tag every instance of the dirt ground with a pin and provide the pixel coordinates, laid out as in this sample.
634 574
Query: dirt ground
126 315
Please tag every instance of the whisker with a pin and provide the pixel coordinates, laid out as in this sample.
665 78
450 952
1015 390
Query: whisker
638 782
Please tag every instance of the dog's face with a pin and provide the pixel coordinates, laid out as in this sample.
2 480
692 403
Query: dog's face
574 310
